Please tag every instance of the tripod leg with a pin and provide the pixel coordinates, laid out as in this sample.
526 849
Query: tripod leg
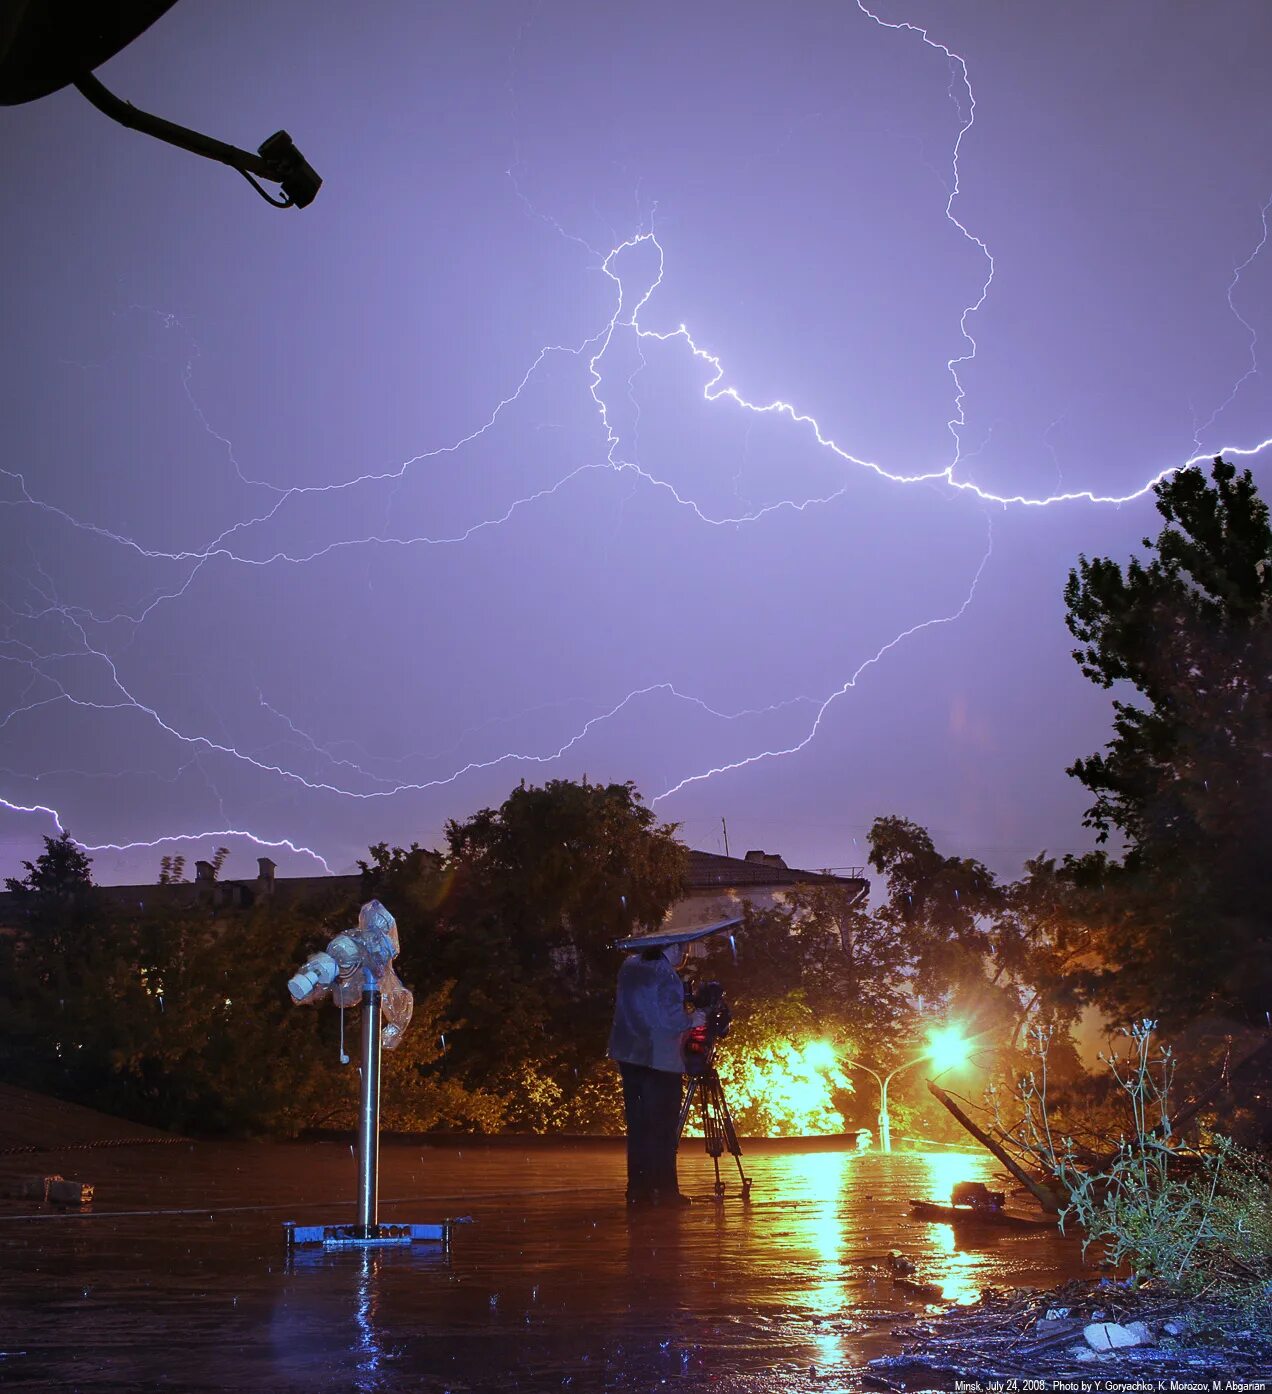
715 1143
731 1139
718 1131
711 1128
714 1127
686 1104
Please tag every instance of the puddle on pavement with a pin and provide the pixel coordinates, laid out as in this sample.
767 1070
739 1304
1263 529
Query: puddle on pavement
551 1284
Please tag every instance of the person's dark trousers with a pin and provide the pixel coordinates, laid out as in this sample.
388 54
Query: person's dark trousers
651 1100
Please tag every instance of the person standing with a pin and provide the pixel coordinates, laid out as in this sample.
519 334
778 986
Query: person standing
650 1020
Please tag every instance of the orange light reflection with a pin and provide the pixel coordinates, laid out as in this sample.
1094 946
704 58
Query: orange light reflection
822 1232
958 1273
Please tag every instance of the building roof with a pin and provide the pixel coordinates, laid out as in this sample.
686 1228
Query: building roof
708 871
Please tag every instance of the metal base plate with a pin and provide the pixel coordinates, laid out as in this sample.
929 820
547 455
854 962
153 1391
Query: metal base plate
380 1237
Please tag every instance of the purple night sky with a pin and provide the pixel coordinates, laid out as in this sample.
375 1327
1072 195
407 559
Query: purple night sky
306 534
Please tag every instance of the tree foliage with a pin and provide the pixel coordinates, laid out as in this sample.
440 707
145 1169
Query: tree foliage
938 905
173 1019
1185 638
847 968
569 866
62 869
172 870
537 891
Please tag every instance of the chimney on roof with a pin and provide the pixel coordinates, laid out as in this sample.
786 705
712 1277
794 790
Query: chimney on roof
265 874
765 858
204 871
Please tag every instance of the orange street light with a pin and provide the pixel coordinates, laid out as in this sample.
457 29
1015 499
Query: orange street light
947 1048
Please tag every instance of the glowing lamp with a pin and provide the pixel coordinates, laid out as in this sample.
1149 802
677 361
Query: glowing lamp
819 1055
947 1048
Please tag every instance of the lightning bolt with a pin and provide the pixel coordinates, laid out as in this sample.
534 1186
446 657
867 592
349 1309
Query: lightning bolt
203 835
626 323
1251 332
845 687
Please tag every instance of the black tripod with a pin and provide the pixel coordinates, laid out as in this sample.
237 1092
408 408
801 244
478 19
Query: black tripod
718 1131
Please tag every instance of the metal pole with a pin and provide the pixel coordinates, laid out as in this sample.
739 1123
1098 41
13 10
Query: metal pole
885 1124
369 1119
885 1136
194 141
277 160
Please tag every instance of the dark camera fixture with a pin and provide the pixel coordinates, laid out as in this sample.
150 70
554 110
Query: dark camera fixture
699 1050
293 172
46 45
277 161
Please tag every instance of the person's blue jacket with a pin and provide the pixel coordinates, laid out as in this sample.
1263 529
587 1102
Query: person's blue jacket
649 1015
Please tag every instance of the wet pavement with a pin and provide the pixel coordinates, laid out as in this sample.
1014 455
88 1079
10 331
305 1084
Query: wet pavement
178 1279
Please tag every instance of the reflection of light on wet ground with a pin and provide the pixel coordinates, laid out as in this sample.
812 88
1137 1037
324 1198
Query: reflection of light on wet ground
830 1347
946 1169
743 1298
367 1344
824 1174
961 1270
825 1225
958 1276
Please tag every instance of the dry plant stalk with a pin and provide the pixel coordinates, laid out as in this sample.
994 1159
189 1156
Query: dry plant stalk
1195 1220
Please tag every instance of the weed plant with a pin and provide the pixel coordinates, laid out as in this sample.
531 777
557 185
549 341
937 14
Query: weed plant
1196 1221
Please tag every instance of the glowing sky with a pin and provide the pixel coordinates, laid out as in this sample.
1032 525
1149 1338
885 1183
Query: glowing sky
306 536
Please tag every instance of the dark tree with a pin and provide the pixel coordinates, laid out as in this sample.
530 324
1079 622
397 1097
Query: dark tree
1186 781
1044 944
939 905
538 891
855 965
411 879
61 869
171 870
570 868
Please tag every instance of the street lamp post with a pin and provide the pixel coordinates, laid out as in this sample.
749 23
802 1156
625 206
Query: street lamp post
885 1125
946 1048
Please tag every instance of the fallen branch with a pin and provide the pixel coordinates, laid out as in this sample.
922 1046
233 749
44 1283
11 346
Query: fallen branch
1044 1195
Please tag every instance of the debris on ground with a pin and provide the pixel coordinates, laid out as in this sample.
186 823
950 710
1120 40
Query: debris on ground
54 1189
1108 1329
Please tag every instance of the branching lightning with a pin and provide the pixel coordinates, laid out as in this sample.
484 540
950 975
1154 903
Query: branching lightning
203 835
1251 333
632 320
851 682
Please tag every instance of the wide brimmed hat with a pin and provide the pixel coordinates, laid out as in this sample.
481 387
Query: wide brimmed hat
665 938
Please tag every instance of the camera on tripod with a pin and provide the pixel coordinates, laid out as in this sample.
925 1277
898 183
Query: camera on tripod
718 1133
700 1041
698 1048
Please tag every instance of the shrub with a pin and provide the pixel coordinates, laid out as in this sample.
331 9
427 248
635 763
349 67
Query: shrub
1193 1219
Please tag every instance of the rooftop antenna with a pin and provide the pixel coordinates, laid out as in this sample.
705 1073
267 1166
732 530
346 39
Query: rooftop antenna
725 826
